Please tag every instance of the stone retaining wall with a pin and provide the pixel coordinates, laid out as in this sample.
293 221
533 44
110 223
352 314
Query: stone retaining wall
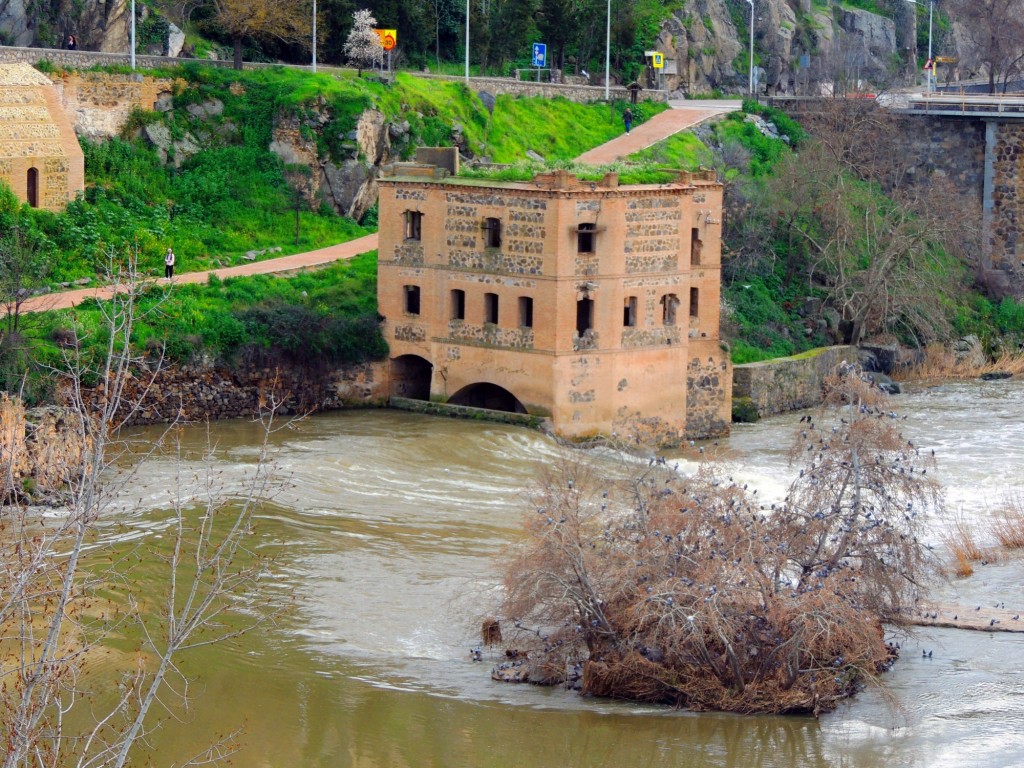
788 383
583 94
208 392
493 85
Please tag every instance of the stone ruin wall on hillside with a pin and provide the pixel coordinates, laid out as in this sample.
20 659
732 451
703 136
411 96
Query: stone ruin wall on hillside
99 103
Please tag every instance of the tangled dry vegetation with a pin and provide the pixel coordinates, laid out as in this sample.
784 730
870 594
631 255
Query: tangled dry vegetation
689 591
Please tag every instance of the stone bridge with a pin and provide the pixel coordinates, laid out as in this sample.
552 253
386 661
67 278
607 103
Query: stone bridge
977 142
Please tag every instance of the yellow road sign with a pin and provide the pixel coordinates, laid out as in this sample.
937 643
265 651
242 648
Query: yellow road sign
388 38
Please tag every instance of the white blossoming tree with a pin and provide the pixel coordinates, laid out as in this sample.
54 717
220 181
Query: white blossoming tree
363 47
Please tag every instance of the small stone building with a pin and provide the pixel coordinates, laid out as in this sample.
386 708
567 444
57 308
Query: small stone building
40 158
592 303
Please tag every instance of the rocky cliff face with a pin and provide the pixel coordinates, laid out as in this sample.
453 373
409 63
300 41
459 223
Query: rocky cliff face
800 46
348 184
99 25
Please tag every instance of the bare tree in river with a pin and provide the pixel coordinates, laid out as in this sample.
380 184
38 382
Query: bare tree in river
688 590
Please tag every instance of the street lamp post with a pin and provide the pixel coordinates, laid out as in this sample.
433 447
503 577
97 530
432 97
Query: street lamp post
467 42
314 36
931 60
608 51
751 46
131 35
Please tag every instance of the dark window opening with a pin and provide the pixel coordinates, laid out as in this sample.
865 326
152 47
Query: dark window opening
412 299
669 305
584 315
492 233
458 304
586 236
32 187
491 308
525 312
413 225
629 312
693 302
695 247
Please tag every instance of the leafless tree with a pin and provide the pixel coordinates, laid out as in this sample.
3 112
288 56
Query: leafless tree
53 615
649 585
888 252
994 30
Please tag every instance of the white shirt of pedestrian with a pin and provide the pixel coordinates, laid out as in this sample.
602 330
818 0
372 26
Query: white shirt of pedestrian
169 258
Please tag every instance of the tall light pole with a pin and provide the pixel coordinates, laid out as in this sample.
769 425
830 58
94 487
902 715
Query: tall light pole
314 36
131 34
467 42
751 47
931 72
931 60
608 51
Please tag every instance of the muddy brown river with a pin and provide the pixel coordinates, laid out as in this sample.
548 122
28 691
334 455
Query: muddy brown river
384 539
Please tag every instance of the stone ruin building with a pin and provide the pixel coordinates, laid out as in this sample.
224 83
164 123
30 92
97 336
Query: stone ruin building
591 303
40 158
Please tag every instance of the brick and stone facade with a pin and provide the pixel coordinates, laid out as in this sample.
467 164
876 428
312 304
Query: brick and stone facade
592 303
40 158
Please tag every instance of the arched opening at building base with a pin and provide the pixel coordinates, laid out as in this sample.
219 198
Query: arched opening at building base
410 377
486 395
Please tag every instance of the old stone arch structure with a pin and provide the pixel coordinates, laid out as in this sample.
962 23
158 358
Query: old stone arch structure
410 377
487 395
544 298
40 158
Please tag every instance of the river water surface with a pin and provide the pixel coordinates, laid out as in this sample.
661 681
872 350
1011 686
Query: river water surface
384 540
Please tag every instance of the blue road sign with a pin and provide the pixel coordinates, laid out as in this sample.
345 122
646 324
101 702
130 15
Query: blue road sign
540 54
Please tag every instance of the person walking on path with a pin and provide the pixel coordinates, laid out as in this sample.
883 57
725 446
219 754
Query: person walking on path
627 118
169 264
72 44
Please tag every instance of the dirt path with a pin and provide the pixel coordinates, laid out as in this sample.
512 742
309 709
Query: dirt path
658 128
67 299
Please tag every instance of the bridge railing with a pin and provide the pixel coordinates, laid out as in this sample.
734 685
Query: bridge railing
967 103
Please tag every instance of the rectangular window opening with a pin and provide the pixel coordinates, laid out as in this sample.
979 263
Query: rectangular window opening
492 233
458 304
669 305
694 295
695 247
586 236
629 312
491 308
584 315
525 312
412 299
413 225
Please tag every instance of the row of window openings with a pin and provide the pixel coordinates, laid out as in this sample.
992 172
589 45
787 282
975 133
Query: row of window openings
586 235
584 308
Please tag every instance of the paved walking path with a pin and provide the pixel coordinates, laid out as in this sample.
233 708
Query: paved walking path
67 299
683 115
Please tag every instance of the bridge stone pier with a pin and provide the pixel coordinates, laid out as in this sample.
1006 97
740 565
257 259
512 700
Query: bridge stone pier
977 143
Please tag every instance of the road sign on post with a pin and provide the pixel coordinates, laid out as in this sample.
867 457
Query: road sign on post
540 57
388 40
540 54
